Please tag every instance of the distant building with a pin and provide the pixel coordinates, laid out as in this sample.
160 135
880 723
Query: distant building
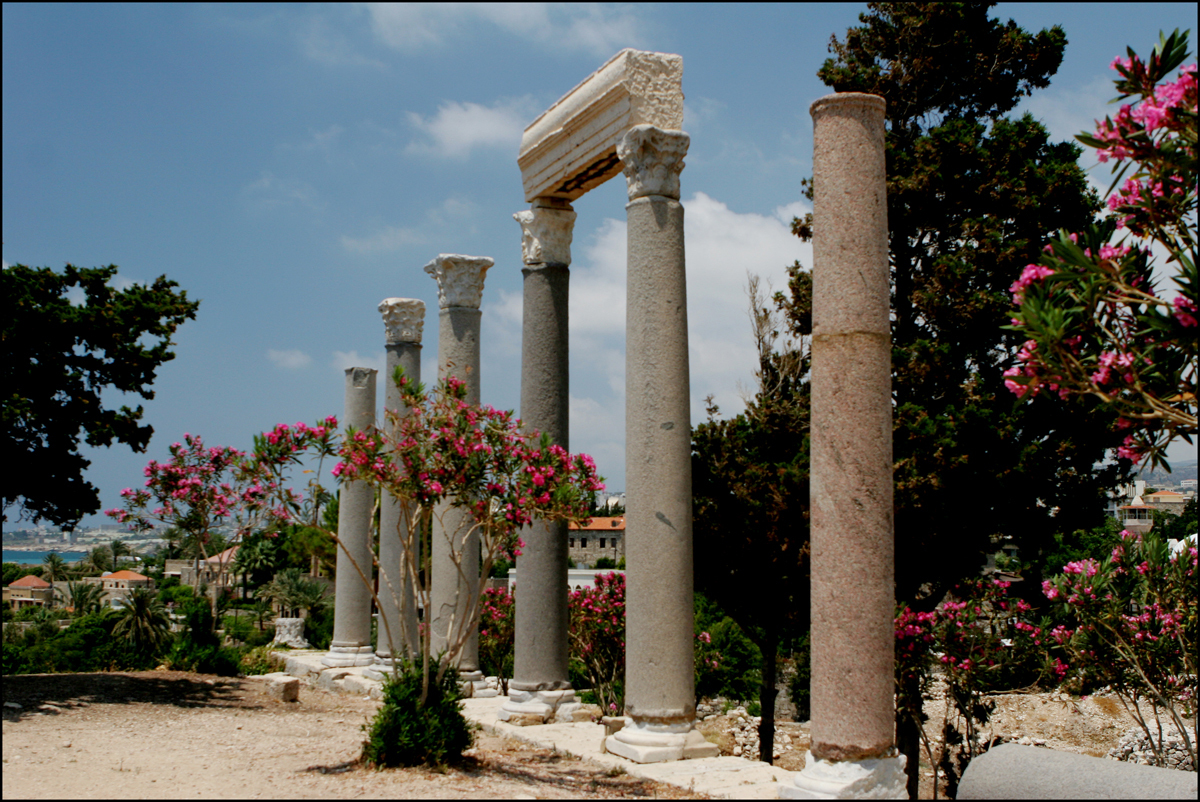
216 572
29 591
599 537
1168 500
117 585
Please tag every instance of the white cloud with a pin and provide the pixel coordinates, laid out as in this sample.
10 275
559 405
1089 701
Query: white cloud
389 239
289 360
600 30
456 128
351 359
722 246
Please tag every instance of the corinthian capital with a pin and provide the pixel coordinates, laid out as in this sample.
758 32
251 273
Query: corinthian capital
546 232
459 279
652 160
403 318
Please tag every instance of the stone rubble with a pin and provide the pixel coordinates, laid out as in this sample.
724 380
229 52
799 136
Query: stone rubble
1134 747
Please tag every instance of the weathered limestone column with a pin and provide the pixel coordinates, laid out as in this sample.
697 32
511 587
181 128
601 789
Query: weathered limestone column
351 644
853 752
659 679
455 589
541 690
403 319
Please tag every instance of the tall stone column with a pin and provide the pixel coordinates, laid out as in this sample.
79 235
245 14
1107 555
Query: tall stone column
853 752
403 319
659 679
541 690
351 644
455 588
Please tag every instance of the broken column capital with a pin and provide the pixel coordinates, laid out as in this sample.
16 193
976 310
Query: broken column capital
546 232
652 160
459 279
403 318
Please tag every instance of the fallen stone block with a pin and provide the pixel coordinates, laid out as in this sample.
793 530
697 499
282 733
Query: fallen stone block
283 687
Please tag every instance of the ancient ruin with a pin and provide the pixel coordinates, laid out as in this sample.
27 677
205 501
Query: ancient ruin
351 644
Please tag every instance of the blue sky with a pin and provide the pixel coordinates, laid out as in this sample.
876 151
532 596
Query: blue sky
291 166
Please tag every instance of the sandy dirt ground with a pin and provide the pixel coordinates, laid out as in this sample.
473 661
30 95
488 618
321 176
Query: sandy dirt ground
164 734
169 734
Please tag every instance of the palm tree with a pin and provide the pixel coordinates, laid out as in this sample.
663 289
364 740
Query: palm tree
293 592
144 620
55 568
118 549
99 559
84 598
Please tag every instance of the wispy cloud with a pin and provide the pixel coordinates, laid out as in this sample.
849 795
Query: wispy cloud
325 44
587 27
269 193
452 211
391 238
456 128
289 360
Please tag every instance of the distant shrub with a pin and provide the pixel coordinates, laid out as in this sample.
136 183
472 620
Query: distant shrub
260 661
407 733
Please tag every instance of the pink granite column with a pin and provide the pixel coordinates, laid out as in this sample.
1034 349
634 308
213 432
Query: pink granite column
853 750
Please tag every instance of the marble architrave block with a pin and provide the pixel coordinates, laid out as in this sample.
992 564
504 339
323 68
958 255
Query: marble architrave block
571 147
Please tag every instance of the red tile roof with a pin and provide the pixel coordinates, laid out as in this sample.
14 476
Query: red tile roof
30 581
602 524
128 575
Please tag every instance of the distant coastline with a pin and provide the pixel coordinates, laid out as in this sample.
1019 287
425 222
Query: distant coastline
27 556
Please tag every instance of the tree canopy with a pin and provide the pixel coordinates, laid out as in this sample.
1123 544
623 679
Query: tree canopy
973 196
60 358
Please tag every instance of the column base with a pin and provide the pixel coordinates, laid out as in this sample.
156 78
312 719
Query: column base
642 742
381 669
346 656
848 779
527 708
472 685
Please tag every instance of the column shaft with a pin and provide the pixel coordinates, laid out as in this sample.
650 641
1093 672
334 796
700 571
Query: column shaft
455 591
659 673
540 661
351 644
397 603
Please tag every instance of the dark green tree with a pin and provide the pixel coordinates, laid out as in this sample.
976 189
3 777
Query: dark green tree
973 196
750 506
59 359
1174 527
143 621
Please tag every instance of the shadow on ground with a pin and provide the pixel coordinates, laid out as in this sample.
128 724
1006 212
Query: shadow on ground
42 693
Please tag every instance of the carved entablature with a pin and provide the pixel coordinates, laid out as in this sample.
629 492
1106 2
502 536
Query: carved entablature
653 159
571 147
546 232
403 318
459 279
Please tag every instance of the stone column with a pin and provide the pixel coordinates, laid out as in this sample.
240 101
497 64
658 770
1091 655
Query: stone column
541 690
403 319
455 589
659 679
853 752
351 644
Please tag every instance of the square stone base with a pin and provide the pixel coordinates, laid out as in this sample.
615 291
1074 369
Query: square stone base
643 744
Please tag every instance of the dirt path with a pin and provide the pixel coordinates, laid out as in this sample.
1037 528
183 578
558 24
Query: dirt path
170 734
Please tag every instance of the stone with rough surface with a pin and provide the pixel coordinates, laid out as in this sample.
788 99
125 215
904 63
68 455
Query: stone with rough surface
849 779
546 232
290 632
282 686
571 147
459 279
403 318
652 159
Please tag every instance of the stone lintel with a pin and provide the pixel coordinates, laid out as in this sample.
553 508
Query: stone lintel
572 146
